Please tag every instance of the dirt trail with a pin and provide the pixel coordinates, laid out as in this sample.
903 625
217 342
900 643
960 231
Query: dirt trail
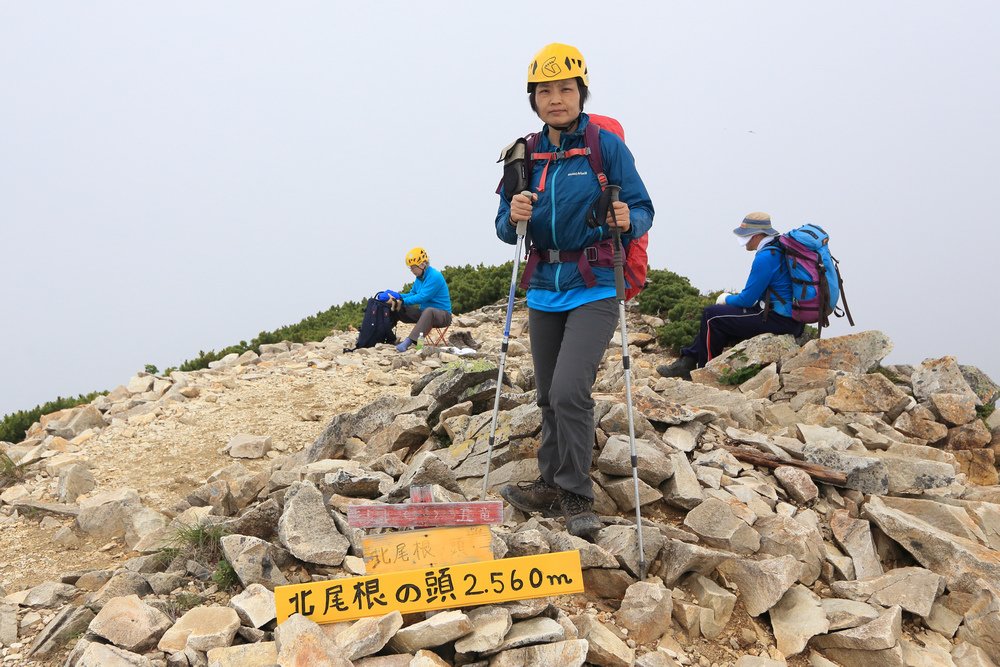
290 400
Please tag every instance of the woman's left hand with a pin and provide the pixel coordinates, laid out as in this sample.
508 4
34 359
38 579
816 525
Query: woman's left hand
621 215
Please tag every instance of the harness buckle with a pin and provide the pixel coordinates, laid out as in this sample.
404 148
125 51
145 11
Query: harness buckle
559 155
590 252
553 256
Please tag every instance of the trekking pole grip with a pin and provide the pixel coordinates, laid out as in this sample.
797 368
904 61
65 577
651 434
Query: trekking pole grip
616 237
522 226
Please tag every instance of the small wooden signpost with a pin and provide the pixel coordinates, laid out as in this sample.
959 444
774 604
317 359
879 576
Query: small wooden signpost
409 549
425 515
449 565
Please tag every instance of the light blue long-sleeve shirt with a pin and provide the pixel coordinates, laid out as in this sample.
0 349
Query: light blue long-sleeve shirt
429 291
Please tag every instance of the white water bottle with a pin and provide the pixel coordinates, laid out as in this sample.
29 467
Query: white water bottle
420 341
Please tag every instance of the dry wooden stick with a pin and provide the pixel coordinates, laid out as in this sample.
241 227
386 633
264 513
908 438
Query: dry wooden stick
816 471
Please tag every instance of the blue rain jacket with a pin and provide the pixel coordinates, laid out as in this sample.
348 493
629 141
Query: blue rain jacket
769 270
429 291
559 217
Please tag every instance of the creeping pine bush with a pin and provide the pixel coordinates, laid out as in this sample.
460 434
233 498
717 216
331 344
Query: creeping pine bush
472 287
16 424
737 376
665 289
671 297
683 322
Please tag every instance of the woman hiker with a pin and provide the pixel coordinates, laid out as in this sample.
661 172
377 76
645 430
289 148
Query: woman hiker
572 309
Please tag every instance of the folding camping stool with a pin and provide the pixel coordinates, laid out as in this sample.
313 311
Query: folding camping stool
437 336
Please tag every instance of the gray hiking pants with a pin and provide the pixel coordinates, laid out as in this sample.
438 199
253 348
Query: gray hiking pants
425 318
566 349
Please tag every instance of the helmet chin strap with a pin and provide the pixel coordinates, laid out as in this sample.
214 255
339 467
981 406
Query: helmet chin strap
569 126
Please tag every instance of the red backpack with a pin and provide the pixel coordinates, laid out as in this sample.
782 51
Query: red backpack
636 256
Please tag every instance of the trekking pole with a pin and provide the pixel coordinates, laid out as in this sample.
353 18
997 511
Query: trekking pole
522 230
626 363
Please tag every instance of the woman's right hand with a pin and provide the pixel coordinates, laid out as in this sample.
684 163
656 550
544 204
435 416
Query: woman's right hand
520 207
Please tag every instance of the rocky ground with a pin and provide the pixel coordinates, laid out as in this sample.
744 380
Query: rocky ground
819 513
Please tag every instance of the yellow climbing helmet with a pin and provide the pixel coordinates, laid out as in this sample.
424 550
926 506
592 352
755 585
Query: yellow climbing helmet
556 62
416 256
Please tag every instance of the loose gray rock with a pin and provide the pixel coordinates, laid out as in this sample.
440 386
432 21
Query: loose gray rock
797 483
252 560
961 562
439 629
682 489
845 614
260 654
679 557
912 588
489 627
201 629
864 474
48 594
538 630
854 353
104 515
572 653
623 544
306 528
715 522
940 376
131 624
75 480
645 611
255 606
300 641
70 622
854 536
244 446
655 464
761 583
716 605
797 618
102 655
603 647
368 635
882 633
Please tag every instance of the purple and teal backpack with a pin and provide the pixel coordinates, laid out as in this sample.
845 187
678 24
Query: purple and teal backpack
817 285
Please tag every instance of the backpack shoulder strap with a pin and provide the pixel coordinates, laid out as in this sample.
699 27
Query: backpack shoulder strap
530 144
592 140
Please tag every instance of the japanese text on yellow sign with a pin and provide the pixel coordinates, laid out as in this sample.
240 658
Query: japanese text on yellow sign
432 547
428 589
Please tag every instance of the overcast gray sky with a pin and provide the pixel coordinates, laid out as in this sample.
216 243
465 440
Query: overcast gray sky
176 177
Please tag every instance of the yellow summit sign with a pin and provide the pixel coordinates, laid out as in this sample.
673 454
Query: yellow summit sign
428 589
432 547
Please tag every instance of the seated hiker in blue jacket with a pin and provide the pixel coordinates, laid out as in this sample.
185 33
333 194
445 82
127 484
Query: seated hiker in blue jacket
737 317
428 303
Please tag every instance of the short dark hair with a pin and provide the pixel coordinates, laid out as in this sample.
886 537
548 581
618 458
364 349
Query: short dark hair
584 94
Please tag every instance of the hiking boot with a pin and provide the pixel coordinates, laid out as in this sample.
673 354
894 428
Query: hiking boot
580 518
680 368
537 496
405 345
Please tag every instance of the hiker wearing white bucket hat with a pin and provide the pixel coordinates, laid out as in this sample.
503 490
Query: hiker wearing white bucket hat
737 317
